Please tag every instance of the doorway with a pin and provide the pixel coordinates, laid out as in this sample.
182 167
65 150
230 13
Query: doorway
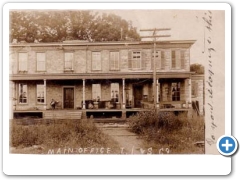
68 98
138 95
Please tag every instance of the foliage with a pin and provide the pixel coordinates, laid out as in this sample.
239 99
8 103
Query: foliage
166 130
197 68
60 25
68 133
145 120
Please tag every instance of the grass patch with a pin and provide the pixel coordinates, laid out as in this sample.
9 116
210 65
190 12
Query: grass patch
167 133
67 137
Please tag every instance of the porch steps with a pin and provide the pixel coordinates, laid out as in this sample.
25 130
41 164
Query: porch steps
62 114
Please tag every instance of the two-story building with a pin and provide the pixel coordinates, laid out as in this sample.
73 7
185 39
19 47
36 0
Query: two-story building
103 79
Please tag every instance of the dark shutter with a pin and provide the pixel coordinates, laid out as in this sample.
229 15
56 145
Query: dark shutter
182 56
129 59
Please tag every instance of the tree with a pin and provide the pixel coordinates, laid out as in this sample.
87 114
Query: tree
59 25
197 68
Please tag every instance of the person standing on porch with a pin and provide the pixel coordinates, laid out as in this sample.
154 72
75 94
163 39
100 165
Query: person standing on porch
53 104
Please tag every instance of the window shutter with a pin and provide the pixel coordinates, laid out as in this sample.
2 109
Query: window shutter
130 59
178 59
183 59
143 60
117 62
162 59
173 59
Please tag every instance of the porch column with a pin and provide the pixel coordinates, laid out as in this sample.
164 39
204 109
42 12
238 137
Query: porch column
12 99
157 94
14 95
83 99
45 93
124 99
190 93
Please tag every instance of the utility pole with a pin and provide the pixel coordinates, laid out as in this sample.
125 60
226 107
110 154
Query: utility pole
155 82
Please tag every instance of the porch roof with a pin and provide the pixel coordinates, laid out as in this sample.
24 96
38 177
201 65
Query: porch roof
117 75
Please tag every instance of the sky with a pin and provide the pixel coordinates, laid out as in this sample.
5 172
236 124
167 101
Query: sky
184 24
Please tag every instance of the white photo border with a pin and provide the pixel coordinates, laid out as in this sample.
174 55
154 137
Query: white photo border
15 164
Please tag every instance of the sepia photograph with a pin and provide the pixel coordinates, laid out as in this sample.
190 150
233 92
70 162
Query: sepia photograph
87 81
117 89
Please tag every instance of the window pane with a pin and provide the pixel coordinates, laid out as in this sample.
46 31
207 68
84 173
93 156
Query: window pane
136 60
157 59
40 61
115 91
22 93
96 61
22 57
40 93
96 91
176 91
68 60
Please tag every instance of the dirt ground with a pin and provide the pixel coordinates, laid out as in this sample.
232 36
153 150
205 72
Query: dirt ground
129 142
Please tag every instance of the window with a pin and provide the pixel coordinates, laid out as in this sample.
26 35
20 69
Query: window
175 91
96 91
40 93
41 62
96 61
159 58
22 93
135 60
114 60
68 61
22 61
115 92
178 59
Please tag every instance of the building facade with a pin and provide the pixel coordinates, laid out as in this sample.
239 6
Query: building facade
104 77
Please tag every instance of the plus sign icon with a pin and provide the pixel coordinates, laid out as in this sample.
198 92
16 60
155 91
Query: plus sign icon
227 145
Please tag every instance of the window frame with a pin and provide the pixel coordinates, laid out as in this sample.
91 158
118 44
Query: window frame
94 61
114 91
160 59
98 94
20 62
41 98
65 68
138 60
22 100
114 61
39 70
176 95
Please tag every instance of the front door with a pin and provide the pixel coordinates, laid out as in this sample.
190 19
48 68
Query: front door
68 98
138 95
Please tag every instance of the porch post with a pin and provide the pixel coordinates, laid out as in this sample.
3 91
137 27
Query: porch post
190 93
83 99
157 94
45 93
124 99
12 99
